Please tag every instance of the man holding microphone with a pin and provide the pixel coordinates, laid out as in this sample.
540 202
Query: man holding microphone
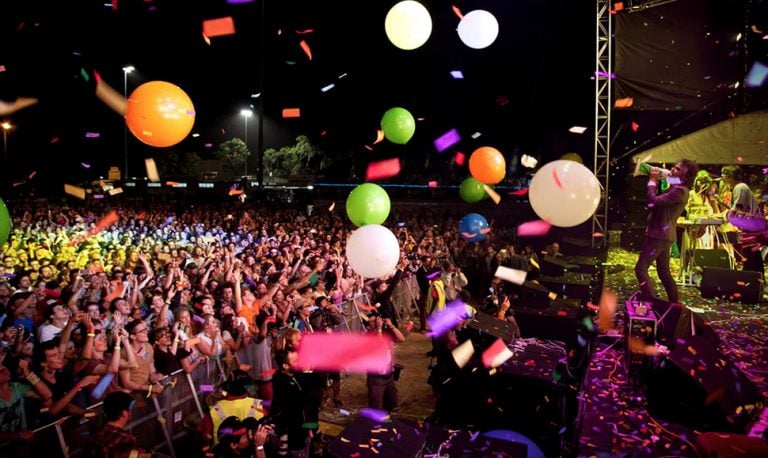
662 227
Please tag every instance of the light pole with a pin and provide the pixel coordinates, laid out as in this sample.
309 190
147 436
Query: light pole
126 70
247 113
6 127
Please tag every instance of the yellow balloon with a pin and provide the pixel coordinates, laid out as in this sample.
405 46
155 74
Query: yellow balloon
572 157
408 25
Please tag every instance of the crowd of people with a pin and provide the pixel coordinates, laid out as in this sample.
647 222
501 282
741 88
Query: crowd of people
93 311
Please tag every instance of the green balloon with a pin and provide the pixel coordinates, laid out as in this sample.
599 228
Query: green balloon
368 203
398 125
5 223
472 190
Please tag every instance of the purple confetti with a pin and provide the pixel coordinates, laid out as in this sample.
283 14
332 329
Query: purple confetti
374 414
447 140
443 321
85 165
92 135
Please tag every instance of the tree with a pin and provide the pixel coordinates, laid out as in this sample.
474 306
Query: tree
174 163
233 152
292 160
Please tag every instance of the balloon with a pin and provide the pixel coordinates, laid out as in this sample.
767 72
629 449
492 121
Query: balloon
398 125
564 193
487 165
408 25
5 223
159 113
368 203
478 29
575 157
473 227
742 220
472 190
373 251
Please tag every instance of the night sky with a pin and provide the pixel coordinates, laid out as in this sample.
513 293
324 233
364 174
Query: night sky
522 93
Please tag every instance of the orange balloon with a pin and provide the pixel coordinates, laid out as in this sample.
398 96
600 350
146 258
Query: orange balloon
487 165
159 113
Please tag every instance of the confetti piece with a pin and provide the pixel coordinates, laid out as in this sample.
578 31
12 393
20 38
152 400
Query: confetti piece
374 414
32 175
492 194
635 126
305 48
89 414
444 320
457 12
309 425
447 140
345 352
577 130
533 228
496 354
432 184
344 412
291 113
235 192
207 388
75 191
161 419
152 174
460 158
92 135
379 136
463 353
513 276
218 27
519 192
528 161
757 75
115 191
624 103
382 169
607 310
333 205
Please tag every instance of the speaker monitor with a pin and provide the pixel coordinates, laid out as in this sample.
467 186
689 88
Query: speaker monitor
712 258
737 285
553 266
484 329
723 445
698 386
394 439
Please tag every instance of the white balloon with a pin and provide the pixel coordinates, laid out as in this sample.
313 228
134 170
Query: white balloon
564 193
408 25
478 29
373 251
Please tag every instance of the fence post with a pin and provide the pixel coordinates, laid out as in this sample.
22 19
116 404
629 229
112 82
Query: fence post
62 441
168 439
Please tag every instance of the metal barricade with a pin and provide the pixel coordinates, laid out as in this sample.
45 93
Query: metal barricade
405 297
175 409
353 320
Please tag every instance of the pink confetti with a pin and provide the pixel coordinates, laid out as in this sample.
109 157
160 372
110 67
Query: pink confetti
354 353
598 235
304 32
432 184
533 228
519 192
635 126
557 179
496 354
92 135
460 158
382 169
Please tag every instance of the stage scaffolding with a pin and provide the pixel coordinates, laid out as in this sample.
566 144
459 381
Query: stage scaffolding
603 101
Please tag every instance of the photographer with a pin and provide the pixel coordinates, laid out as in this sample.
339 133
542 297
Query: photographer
382 390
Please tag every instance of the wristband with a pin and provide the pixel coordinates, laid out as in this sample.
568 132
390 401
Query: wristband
32 378
259 448
117 347
149 390
91 334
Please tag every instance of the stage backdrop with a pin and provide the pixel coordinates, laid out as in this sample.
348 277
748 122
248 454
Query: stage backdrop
740 140
679 56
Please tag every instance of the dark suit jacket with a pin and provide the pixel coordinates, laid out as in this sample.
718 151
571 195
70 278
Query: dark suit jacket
665 209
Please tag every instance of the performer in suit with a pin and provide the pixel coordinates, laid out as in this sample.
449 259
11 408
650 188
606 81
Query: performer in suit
662 227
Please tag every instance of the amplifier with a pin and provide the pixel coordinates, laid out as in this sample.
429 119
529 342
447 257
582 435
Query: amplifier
640 332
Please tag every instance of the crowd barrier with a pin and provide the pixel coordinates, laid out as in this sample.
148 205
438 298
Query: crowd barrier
176 410
405 298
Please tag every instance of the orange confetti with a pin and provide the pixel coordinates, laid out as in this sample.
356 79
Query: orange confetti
618 6
624 103
607 311
235 192
304 32
291 112
218 27
379 136
457 12
171 183
305 48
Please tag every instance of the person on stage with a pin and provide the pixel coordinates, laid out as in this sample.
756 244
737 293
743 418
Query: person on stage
662 227
744 200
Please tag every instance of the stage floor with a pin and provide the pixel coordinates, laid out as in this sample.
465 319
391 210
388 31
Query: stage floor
615 421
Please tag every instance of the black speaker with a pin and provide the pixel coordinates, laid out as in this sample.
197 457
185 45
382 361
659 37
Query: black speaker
485 329
712 258
392 439
736 285
559 321
676 323
698 386
553 266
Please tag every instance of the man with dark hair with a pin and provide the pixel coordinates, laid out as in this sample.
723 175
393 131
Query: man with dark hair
662 227
236 403
114 439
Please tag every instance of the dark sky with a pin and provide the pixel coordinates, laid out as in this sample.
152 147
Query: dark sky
521 94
